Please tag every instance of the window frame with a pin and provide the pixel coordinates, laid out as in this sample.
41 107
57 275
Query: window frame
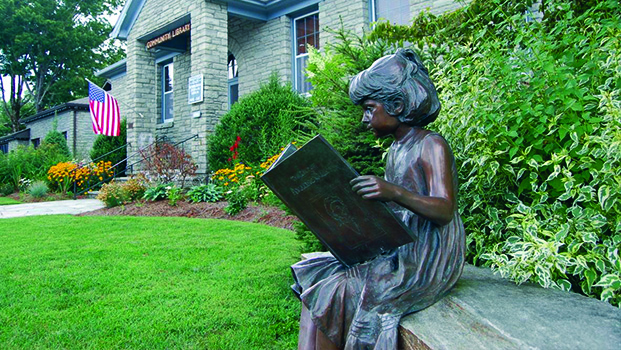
295 54
163 65
234 80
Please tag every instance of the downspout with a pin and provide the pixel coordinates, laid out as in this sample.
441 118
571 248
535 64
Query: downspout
75 131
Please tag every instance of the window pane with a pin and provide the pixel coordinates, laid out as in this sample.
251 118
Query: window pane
310 25
167 91
168 78
302 85
168 106
233 93
311 40
299 27
301 45
232 67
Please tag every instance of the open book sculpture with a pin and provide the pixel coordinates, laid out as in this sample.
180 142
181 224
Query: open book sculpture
313 182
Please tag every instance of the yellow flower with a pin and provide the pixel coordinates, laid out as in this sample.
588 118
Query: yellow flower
221 178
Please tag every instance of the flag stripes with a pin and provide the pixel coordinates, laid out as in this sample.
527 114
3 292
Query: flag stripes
105 112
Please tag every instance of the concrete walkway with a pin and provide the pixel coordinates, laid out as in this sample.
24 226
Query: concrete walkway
50 208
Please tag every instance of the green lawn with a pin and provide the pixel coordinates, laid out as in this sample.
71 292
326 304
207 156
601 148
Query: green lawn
8 201
145 283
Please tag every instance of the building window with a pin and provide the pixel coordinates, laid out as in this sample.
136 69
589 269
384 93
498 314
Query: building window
305 32
167 92
4 148
36 142
395 11
233 82
65 135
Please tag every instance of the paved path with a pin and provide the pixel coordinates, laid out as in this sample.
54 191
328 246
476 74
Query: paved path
50 208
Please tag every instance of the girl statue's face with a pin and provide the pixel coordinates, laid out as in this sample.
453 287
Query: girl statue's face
377 119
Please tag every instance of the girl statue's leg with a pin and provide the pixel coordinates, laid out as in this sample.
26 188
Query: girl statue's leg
310 337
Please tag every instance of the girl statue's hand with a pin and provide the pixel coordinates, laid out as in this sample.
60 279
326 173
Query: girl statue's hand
376 188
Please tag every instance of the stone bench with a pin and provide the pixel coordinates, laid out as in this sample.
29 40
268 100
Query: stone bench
484 311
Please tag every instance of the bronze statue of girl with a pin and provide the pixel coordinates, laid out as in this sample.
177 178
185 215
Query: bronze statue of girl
360 307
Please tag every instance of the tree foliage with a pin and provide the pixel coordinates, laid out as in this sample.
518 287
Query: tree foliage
47 47
532 110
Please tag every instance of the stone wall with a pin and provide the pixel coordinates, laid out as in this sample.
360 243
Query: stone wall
14 144
41 127
354 13
120 92
260 49
435 6
85 135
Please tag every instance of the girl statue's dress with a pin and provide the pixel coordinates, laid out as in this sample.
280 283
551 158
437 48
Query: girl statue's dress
360 307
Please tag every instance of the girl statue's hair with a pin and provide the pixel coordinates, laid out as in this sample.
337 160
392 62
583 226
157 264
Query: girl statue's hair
399 79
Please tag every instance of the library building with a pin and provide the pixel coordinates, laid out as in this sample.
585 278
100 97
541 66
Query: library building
188 61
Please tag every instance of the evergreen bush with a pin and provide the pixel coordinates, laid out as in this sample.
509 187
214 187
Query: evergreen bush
54 140
256 126
335 117
105 144
532 111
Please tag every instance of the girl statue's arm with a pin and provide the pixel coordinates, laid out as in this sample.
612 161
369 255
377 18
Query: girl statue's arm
439 206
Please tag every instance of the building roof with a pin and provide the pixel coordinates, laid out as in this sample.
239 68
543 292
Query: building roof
79 104
113 70
20 135
262 10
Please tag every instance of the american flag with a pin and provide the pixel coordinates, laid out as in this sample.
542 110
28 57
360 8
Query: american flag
105 112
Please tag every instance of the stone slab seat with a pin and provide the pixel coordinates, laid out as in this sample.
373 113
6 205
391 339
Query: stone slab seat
485 311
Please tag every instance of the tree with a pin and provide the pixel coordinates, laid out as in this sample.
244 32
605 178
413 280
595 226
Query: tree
46 43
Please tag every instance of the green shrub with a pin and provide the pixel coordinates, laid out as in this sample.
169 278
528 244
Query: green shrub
157 192
336 118
113 194
6 189
108 144
204 193
237 202
174 194
29 163
38 189
55 138
263 120
532 112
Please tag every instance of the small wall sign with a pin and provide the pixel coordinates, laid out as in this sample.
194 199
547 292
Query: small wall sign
195 89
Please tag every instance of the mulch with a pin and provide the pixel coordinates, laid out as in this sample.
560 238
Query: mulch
261 214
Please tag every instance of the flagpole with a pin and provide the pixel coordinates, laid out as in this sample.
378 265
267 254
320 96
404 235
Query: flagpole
124 104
